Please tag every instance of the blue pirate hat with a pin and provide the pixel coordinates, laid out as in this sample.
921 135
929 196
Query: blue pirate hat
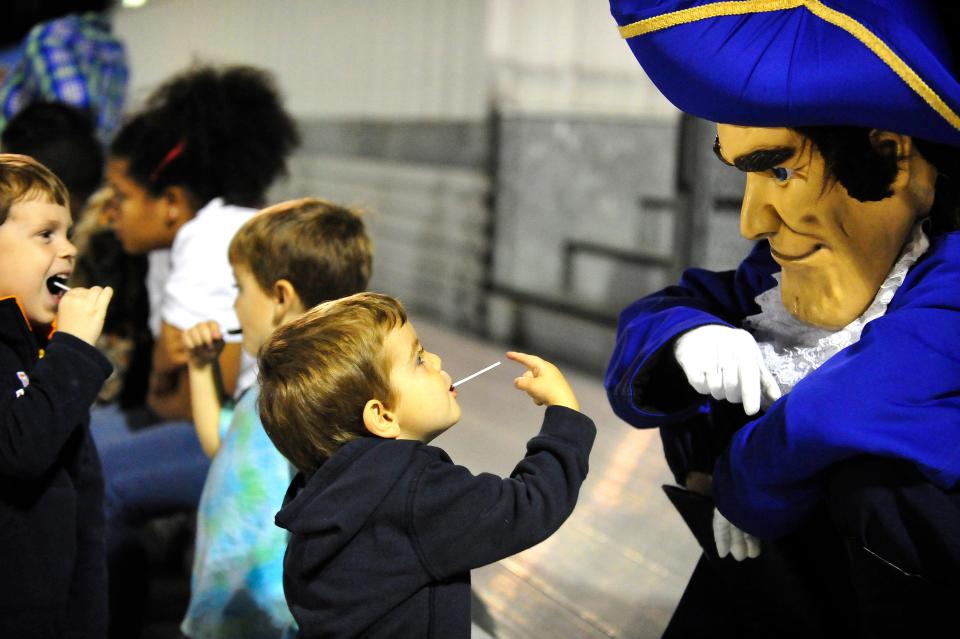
882 64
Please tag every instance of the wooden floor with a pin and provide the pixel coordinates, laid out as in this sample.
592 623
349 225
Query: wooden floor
617 567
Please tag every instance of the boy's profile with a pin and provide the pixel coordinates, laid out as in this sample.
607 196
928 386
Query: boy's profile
52 565
385 528
285 259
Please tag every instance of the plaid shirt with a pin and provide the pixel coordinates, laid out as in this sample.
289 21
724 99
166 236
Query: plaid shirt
73 59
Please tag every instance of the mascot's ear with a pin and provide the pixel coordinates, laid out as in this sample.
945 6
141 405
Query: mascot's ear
916 177
900 143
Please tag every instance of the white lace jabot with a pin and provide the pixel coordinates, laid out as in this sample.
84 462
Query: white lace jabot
792 349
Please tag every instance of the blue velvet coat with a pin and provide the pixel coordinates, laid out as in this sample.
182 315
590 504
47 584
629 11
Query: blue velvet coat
895 393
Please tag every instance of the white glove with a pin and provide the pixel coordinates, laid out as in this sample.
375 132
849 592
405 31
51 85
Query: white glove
726 363
731 540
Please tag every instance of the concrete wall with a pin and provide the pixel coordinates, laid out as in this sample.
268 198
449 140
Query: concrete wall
566 57
426 191
629 193
376 59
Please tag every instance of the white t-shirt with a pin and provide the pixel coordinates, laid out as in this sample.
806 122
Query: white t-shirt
158 270
200 284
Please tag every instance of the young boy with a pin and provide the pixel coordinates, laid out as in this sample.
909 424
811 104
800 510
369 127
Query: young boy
286 259
384 528
52 566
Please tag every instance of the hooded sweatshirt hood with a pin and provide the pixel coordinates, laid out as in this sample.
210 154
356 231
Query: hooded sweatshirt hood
349 565
334 503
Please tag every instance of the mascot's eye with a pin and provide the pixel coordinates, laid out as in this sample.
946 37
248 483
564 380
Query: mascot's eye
781 174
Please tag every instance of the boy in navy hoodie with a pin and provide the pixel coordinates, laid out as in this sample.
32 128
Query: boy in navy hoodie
52 564
385 528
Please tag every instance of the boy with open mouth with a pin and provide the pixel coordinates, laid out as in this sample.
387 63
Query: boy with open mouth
52 566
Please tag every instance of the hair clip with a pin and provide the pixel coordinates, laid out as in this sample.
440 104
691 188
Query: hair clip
171 155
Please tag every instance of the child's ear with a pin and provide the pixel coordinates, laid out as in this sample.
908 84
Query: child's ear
286 302
379 420
178 205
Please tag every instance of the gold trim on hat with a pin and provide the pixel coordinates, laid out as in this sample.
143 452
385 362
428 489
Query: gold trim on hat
817 8
694 14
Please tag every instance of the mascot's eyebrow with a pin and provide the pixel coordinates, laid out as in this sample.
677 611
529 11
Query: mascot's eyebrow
756 161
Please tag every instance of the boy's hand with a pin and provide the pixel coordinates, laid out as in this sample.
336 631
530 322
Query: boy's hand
203 342
82 310
543 382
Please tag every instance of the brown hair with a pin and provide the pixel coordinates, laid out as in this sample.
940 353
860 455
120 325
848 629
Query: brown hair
23 178
321 248
318 371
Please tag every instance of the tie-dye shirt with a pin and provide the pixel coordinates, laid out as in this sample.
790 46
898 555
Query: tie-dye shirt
237 582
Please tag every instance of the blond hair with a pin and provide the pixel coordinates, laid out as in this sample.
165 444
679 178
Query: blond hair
318 371
23 178
320 247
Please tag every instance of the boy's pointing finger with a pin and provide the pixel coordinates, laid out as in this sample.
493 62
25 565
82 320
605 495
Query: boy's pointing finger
530 361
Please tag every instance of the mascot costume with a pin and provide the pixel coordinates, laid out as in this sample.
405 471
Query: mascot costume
809 401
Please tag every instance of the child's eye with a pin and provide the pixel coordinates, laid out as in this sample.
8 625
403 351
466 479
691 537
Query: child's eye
781 174
420 357
46 234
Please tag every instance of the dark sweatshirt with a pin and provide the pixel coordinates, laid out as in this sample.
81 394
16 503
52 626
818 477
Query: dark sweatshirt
52 562
384 534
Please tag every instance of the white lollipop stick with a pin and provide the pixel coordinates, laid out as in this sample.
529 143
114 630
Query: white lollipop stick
469 377
59 285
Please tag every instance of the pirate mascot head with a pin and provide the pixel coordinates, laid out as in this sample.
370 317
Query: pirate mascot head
845 116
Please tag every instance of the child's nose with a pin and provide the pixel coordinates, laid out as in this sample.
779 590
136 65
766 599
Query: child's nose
68 250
